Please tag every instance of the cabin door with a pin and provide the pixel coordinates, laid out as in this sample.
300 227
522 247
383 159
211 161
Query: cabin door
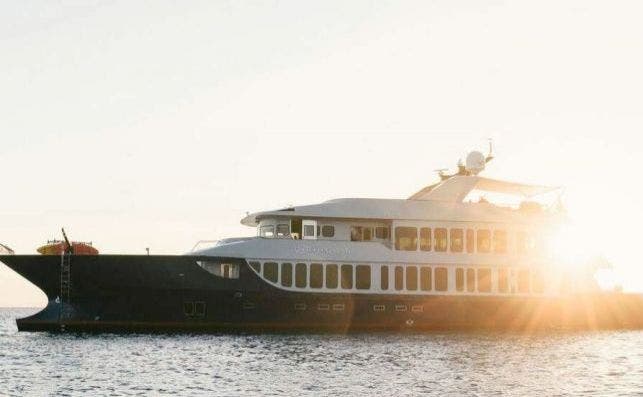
309 231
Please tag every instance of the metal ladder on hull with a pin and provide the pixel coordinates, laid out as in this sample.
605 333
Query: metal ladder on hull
65 287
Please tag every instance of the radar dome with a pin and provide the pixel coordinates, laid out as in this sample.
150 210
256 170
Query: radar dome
475 163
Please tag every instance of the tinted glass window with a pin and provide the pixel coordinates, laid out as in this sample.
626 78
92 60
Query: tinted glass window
484 280
459 279
301 274
411 278
384 278
503 280
471 241
399 278
363 276
406 238
347 276
381 232
425 278
328 231
484 241
256 266
457 240
367 233
499 241
441 279
331 276
283 230
316 275
441 242
286 274
270 271
356 233
425 239
471 280
523 281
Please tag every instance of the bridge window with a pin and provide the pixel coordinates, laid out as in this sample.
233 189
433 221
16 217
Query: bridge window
425 239
457 240
381 232
270 271
425 278
411 278
267 231
523 281
399 278
316 275
384 278
309 231
406 238
286 274
328 231
499 241
363 276
471 280
301 273
441 239
441 279
331 276
347 276
484 241
256 266
471 241
283 230
459 279
357 233
503 280
367 233
484 280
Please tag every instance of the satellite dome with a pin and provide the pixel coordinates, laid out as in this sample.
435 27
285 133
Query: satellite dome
475 163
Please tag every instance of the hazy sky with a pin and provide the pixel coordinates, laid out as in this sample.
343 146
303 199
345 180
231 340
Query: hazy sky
156 124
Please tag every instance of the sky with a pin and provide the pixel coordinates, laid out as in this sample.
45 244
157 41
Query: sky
157 124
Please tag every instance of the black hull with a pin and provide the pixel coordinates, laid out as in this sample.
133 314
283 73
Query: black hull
122 293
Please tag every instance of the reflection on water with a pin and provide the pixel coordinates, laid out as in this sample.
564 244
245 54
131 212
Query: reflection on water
595 363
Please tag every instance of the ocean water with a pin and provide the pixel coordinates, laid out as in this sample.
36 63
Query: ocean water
441 364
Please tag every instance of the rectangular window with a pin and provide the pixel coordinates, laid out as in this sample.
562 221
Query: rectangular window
357 233
309 230
441 279
406 238
441 240
367 233
347 276
471 280
286 274
381 232
411 278
484 280
331 276
537 282
499 242
301 274
270 271
283 230
316 275
363 276
425 279
521 242
471 241
459 279
267 231
425 239
379 308
457 240
503 280
523 281
328 231
399 278
256 266
484 241
384 278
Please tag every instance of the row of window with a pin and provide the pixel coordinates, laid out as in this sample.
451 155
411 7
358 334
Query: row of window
367 233
398 278
458 240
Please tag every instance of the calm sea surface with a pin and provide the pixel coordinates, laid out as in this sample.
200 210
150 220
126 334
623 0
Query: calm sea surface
593 363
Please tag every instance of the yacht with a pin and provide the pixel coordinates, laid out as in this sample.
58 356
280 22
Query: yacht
467 252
